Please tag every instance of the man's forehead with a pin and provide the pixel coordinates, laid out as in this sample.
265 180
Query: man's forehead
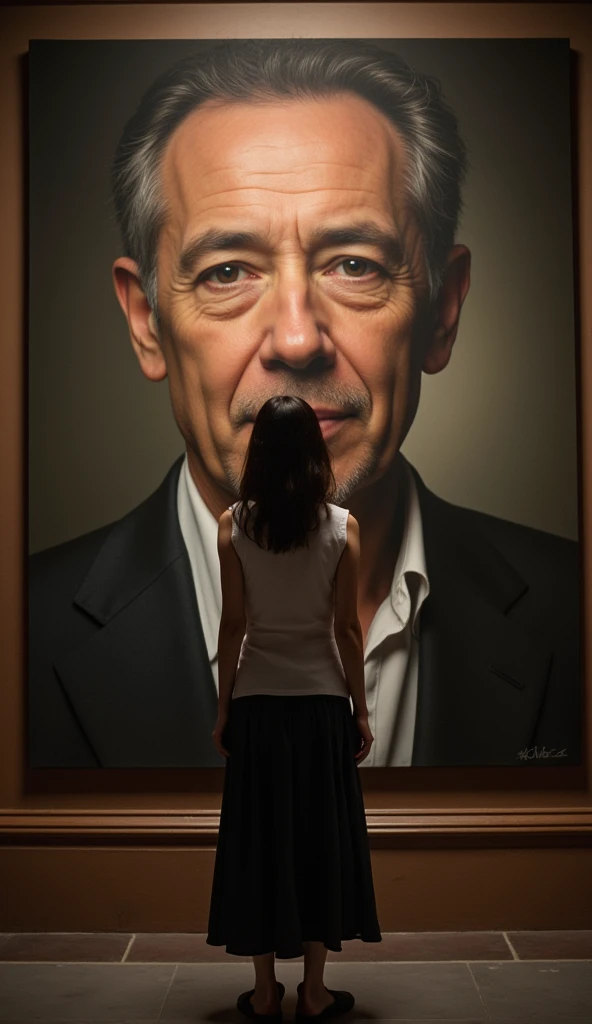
291 146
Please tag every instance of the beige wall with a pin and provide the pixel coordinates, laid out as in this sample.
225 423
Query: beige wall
504 822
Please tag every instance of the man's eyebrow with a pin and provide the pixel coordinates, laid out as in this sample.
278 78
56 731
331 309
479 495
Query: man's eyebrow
213 241
365 233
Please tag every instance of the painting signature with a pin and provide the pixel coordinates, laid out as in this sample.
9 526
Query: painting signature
540 753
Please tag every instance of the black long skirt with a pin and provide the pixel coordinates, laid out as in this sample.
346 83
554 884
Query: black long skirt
292 859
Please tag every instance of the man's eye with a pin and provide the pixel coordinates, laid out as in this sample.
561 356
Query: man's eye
224 273
355 266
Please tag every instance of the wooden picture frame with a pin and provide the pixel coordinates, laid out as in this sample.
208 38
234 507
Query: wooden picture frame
429 808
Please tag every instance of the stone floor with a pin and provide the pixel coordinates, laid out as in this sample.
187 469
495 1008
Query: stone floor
469 977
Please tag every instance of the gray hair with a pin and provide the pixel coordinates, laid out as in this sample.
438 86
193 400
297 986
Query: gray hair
260 70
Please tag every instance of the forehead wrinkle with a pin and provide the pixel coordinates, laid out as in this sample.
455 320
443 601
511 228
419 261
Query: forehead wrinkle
251 204
293 191
255 178
286 192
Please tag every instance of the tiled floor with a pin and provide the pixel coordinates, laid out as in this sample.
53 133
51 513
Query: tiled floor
468 977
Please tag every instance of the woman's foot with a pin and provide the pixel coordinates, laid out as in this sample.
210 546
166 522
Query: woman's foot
310 1003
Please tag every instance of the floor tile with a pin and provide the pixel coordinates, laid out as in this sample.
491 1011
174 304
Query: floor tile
426 947
557 945
156 947
96 947
535 989
107 992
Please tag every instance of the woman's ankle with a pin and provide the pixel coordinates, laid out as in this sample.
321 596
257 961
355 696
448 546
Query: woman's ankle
267 988
312 988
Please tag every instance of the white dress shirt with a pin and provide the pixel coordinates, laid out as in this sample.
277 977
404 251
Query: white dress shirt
392 644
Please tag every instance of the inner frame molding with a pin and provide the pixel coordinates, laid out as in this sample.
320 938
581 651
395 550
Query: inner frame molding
387 827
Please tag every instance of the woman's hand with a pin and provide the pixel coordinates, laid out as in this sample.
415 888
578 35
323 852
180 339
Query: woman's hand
219 728
361 723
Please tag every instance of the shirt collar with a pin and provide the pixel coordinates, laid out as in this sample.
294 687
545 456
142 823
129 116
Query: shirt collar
411 560
410 585
200 533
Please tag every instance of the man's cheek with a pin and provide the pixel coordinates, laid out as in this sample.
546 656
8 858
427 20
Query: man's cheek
400 308
215 415
191 318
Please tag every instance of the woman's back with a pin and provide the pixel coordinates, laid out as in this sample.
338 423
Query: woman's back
289 646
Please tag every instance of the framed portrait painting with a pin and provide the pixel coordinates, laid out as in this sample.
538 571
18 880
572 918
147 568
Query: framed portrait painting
381 227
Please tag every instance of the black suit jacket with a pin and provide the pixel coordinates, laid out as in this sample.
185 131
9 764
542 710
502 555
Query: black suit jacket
119 674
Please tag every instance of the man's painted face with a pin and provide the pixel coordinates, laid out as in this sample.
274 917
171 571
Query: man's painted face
289 263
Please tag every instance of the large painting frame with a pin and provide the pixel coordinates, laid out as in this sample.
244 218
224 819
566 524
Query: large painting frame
498 683
425 809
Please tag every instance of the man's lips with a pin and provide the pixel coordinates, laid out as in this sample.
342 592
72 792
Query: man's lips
323 414
330 424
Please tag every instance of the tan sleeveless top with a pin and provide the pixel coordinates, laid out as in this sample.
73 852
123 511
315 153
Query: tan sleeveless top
289 646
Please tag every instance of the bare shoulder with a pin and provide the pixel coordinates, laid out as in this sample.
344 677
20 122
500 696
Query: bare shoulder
353 527
352 537
225 525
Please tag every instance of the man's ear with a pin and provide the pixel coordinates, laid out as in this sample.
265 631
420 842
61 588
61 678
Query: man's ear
140 318
444 325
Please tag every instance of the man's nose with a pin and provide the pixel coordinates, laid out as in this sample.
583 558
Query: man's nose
295 330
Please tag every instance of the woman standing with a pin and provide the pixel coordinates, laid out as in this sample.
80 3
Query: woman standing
292 874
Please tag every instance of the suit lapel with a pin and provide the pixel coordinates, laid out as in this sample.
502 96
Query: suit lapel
142 686
481 675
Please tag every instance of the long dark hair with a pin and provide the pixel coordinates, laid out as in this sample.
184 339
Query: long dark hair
287 475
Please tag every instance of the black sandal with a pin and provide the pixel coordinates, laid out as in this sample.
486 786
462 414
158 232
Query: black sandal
245 1006
343 1001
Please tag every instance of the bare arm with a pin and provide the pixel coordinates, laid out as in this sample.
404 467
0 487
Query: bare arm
347 628
233 620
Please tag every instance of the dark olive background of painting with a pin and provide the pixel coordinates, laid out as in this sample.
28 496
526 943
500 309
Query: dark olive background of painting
495 431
